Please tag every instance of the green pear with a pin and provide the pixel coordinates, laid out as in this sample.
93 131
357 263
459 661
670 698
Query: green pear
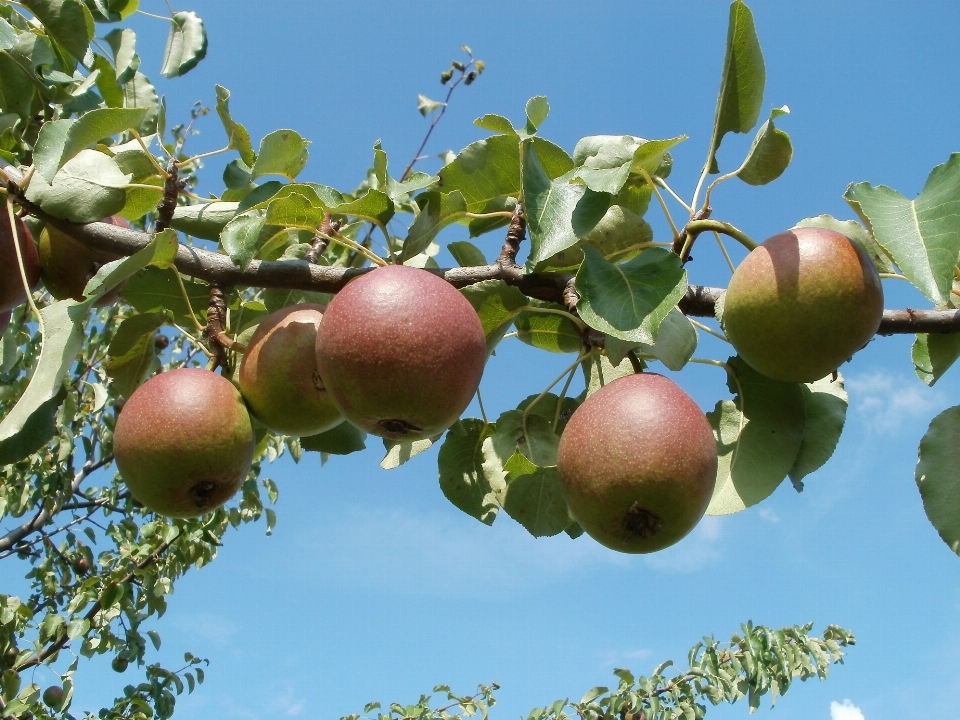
401 352
638 464
802 303
53 697
11 284
184 442
67 265
278 374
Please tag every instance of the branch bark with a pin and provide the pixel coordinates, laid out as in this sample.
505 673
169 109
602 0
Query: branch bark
213 267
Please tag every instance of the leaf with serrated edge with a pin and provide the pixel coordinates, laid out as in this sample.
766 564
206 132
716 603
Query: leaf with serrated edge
537 110
472 486
186 45
938 476
825 405
922 235
742 81
757 449
630 300
858 234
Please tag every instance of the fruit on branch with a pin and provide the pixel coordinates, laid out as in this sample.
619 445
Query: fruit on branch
278 374
401 352
638 463
66 265
53 697
183 442
11 285
802 303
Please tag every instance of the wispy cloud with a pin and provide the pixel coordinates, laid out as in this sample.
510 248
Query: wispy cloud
845 711
769 515
887 400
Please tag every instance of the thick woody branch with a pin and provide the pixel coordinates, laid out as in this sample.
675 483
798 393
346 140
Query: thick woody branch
301 275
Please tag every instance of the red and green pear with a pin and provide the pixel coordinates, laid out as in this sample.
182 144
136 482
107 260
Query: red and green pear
12 293
67 265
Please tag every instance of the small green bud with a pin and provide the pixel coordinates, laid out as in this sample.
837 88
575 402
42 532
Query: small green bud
457 65
471 76
445 76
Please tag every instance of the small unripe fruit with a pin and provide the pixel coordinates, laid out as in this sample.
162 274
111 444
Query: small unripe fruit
53 697
119 664
81 565
802 303
638 464
401 352
67 265
11 284
184 443
278 374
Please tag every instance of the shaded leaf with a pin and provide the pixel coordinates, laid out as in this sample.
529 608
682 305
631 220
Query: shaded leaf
155 289
758 438
938 475
770 153
825 408
132 353
237 135
438 211
467 254
398 452
933 355
203 220
496 304
620 235
676 341
340 440
534 498
139 92
598 371
742 81
551 332
243 235
534 438
186 44
630 300
922 235
69 22
466 478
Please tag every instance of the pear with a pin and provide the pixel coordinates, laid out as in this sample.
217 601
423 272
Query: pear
401 352
278 374
66 265
802 303
184 442
11 284
638 464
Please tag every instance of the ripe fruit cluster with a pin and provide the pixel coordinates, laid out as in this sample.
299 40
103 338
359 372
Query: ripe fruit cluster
399 353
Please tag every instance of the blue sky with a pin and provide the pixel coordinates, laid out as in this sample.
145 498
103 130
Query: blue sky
373 586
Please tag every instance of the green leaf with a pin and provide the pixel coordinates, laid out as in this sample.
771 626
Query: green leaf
496 304
69 22
938 476
758 438
922 235
139 92
294 209
535 439
770 153
86 189
155 289
438 211
340 440
132 354
495 123
558 212
620 235
237 135
61 140
107 83
652 156
186 45
676 341
375 205
203 220
858 234
282 152
825 406
36 432
933 355
741 85
123 42
630 300
598 371
537 110
398 452
551 332
63 339
426 106
467 254
534 498
242 237
467 478
17 91
489 169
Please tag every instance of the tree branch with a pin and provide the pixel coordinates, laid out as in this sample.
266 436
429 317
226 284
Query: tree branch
301 275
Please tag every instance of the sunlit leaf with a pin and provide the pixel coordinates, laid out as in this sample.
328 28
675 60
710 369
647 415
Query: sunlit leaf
282 152
825 405
186 44
61 140
68 21
769 155
237 136
86 189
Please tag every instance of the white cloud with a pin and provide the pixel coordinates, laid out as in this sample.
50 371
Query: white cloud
888 400
769 515
845 711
